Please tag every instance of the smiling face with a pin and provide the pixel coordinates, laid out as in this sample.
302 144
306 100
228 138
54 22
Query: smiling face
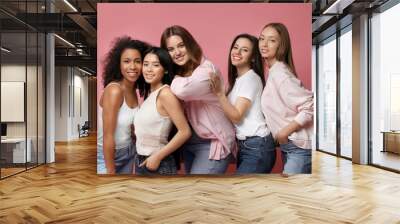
153 71
131 64
268 43
177 50
241 52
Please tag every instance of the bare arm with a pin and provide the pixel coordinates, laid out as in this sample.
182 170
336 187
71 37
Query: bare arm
236 112
174 110
283 134
112 100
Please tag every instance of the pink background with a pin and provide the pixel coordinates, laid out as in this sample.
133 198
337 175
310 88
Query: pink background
213 25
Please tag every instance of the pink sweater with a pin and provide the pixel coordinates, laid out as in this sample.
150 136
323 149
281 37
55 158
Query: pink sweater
284 99
204 111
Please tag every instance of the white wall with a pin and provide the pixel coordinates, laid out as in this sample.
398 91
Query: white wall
314 89
80 84
61 103
34 123
50 95
70 83
17 72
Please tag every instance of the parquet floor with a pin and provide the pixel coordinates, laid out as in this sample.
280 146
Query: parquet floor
69 191
9 171
387 159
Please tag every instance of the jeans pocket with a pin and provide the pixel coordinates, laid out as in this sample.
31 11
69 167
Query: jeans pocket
254 143
285 146
167 166
269 143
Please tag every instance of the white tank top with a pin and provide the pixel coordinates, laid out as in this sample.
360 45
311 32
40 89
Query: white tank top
151 128
122 135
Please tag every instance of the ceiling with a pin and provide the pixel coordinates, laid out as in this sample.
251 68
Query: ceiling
76 22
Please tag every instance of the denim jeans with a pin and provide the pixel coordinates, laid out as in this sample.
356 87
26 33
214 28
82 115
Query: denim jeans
124 160
195 155
295 159
167 166
256 155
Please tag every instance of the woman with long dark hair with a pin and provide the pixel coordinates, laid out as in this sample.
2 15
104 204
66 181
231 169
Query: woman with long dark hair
242 105
157 115
212 144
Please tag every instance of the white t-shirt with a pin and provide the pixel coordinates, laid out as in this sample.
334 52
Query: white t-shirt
249 86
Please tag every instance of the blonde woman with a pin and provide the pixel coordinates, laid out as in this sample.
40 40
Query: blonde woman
287 106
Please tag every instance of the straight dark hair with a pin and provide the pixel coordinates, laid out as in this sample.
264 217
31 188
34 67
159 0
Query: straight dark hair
256 61
166 63
193 48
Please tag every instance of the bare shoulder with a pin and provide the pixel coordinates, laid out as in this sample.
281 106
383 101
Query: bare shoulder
113 93
166 94
113 90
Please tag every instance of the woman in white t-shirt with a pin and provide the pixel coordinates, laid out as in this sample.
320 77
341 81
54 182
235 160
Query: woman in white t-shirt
242 105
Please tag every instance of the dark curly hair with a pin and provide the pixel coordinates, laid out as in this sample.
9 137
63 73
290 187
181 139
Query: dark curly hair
112 69
167 64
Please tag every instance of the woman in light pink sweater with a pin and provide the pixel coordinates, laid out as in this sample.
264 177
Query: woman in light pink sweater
287 106
212 144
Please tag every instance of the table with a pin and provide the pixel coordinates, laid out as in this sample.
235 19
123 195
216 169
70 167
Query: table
13 150
391 141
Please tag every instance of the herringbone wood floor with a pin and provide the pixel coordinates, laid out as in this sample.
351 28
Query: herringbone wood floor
69 191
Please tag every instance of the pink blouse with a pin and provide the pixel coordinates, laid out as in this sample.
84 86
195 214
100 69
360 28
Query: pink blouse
284 99
204 111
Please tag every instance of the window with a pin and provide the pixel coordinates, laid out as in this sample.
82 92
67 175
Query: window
385 89
327 96
346 92
22 65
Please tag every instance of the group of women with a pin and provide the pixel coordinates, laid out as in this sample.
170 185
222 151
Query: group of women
187 107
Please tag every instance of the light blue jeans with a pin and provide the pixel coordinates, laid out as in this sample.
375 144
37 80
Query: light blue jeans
124 160
195 155
295 159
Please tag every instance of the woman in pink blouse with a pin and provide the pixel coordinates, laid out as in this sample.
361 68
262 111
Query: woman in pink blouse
212 144
287 106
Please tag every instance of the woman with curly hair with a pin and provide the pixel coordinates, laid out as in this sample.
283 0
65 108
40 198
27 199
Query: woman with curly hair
118 105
